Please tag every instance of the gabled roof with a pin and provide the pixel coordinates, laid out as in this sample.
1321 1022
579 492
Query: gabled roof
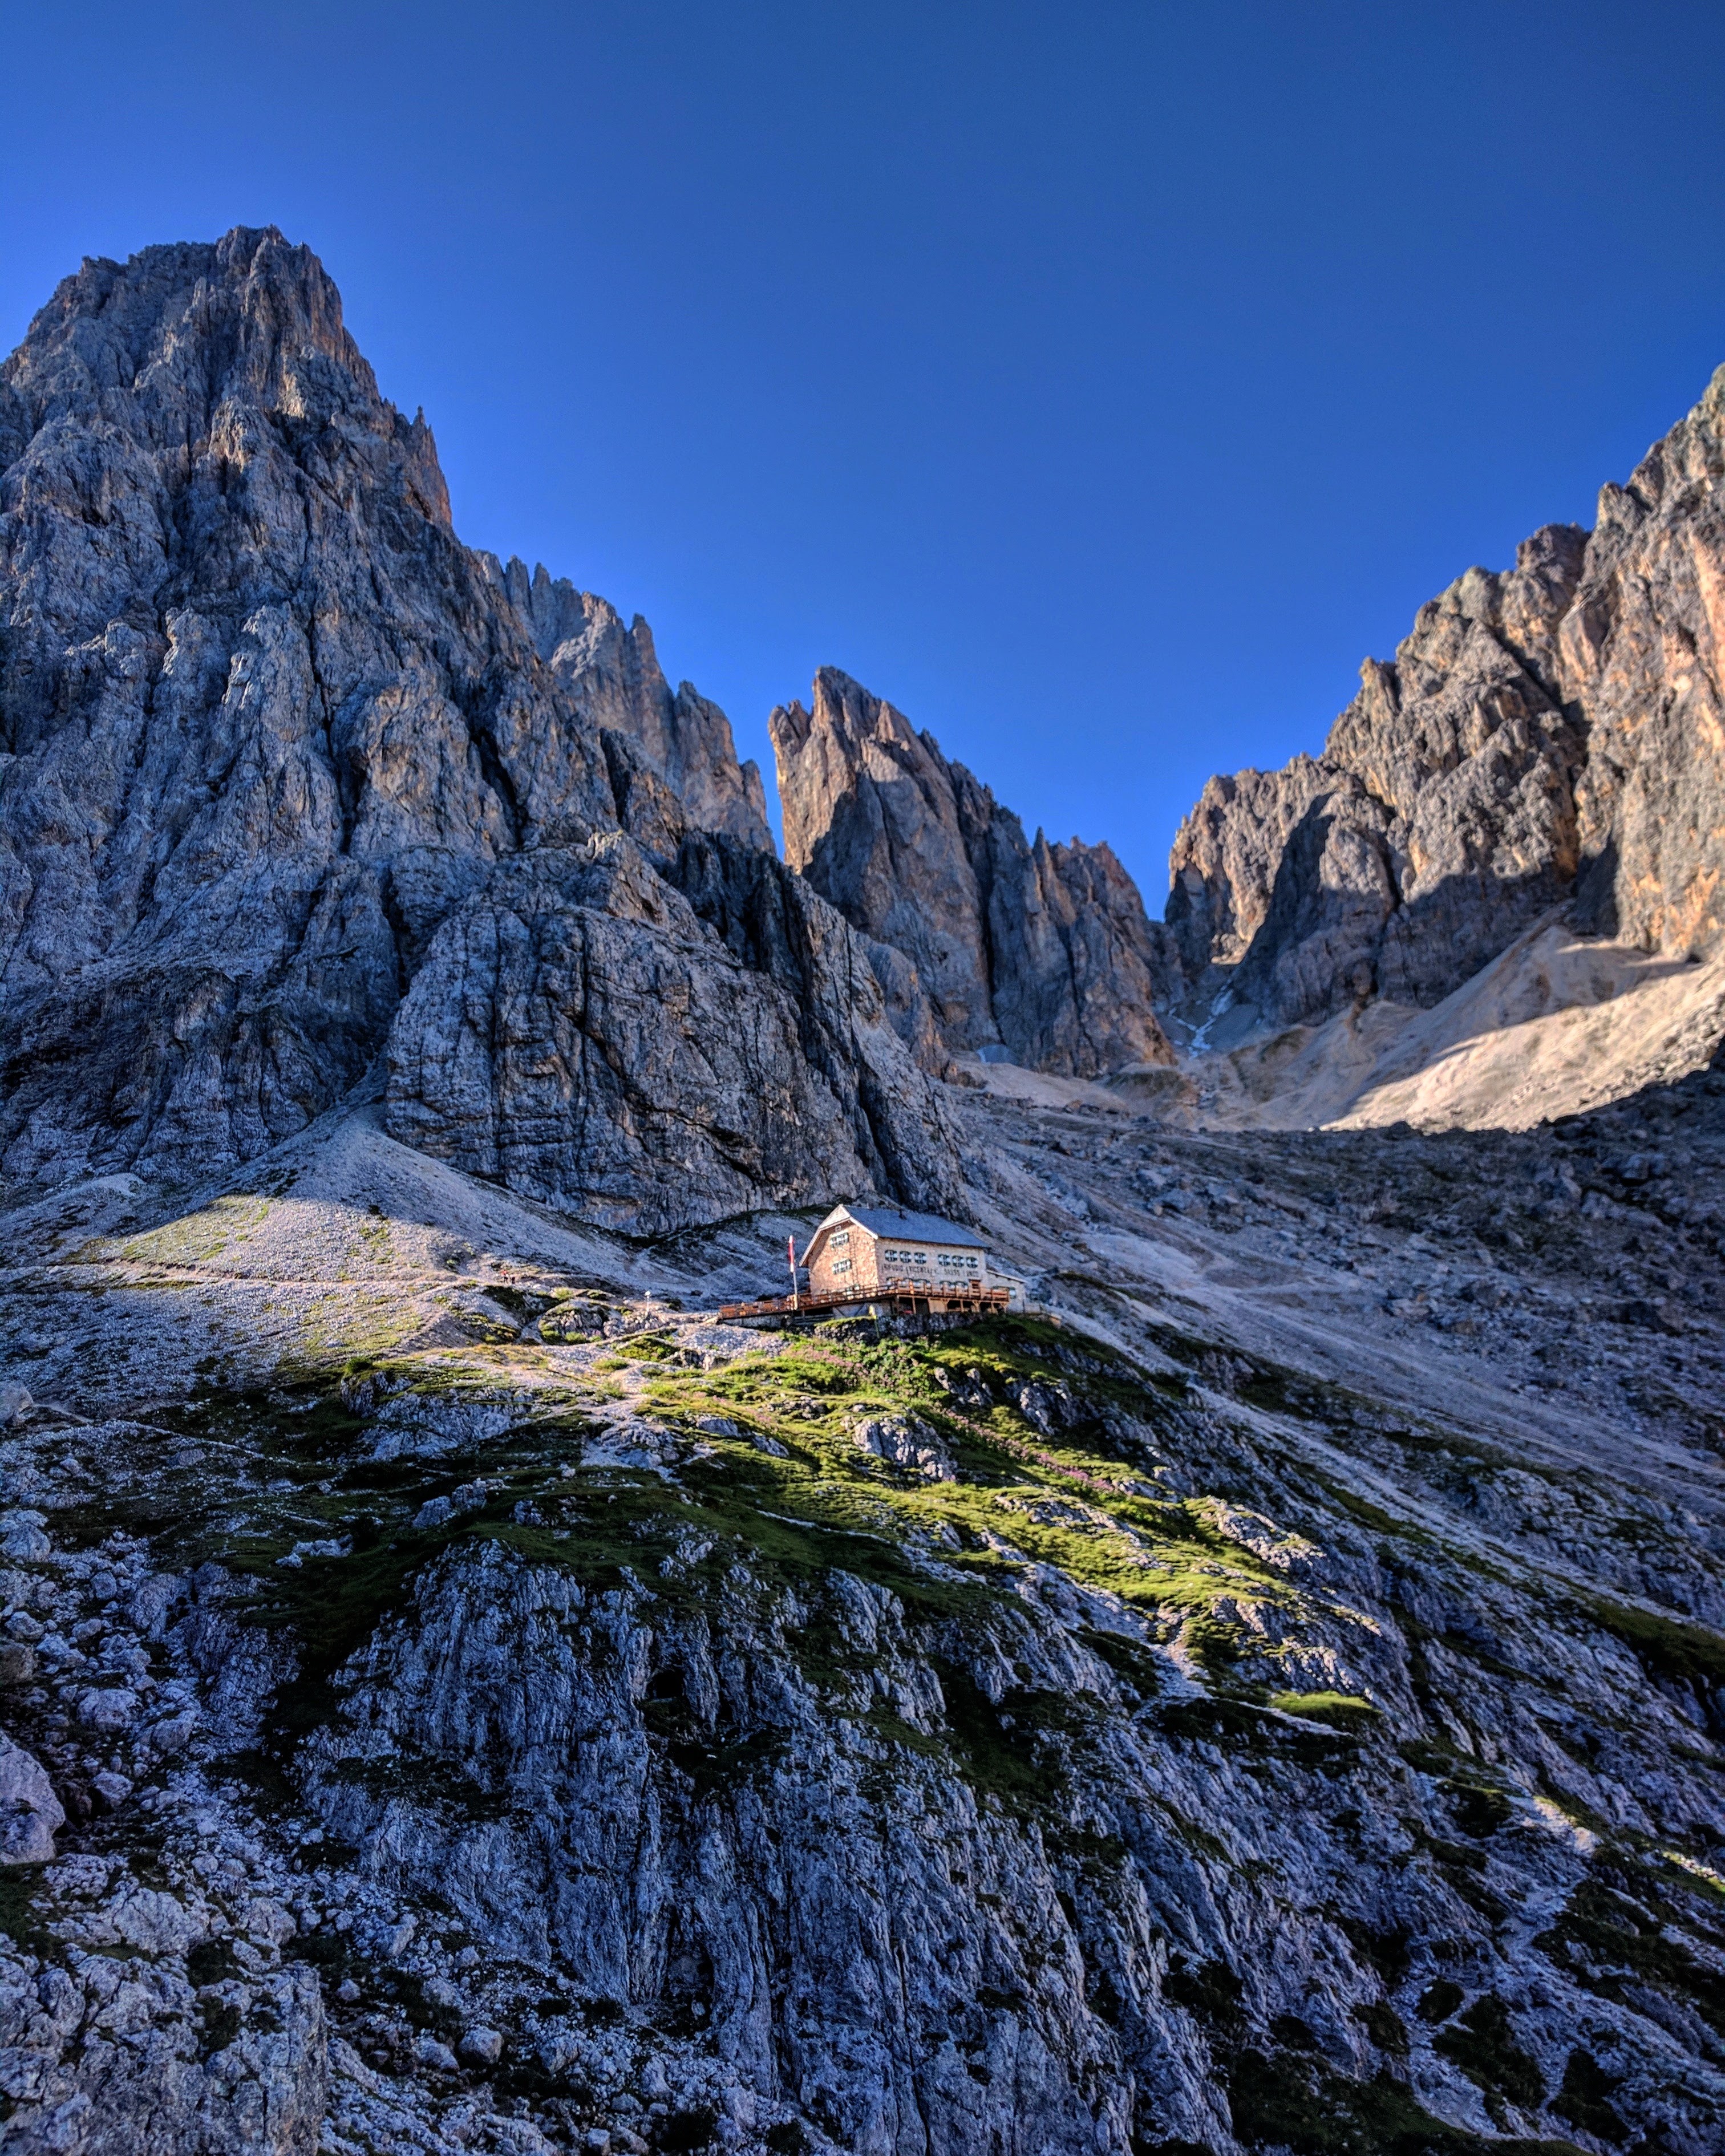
893 1221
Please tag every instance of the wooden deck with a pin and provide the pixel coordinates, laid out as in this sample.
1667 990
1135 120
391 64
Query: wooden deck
902 1298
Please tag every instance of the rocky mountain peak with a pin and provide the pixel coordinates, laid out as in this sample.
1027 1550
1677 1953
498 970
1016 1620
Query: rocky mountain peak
177 343
614 676
252 301
845 730
1039 952
1680 468
1548 736
277 749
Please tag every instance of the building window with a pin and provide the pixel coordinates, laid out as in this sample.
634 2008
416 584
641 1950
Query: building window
841 1239
841 1265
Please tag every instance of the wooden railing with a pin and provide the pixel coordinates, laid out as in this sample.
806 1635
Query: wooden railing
964 1297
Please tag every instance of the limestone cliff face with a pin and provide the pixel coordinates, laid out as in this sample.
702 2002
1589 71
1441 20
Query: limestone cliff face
1044 949
1549 734
1641 649
266 725
580 1032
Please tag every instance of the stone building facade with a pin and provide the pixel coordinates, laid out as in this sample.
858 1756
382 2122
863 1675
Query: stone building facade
877 1249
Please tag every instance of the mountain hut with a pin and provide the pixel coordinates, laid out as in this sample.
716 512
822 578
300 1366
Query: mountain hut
872 1252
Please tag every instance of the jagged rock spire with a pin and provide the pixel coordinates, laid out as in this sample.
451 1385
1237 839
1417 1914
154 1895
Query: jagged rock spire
1038 949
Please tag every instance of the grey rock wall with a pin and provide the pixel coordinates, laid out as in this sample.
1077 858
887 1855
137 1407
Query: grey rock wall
1641 651
1042 949
1440 821
266 727
580 1032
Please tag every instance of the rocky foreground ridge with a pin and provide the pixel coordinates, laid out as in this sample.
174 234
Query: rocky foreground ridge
460 1696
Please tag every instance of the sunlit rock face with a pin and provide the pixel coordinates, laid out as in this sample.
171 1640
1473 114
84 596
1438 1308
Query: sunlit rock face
1041 949
1553 734
267 724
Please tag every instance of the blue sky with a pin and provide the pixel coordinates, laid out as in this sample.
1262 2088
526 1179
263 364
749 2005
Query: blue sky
1100 383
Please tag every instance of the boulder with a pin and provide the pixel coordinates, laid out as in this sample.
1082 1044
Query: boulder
481 2046
908 1441
30 1813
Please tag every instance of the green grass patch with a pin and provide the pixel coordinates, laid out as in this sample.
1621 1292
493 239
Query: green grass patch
1291 2101
1671 1650
1585 2099
1002 1748
1337 1710
1482 2044
19 1918
1062 1500
1616 1931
